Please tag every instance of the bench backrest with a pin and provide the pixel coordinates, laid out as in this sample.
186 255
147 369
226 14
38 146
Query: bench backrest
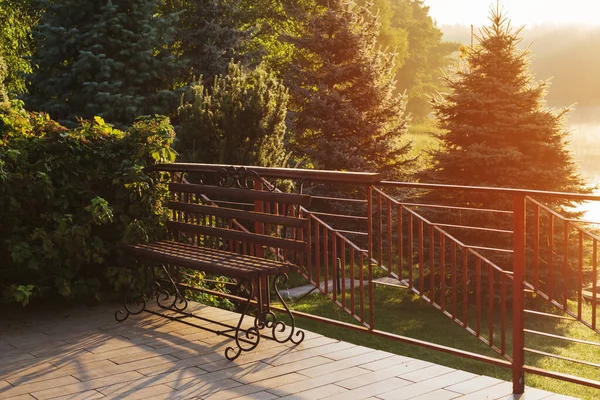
245 221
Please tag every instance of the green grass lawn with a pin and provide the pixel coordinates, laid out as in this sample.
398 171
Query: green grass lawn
399 312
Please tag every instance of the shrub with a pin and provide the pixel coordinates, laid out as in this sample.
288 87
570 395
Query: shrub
239 120
70 198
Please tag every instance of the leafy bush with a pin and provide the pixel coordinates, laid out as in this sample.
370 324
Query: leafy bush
70 198
3 72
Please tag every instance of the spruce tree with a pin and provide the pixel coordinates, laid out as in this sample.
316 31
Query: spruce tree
239 120
209 35
102 58
347 116
499 132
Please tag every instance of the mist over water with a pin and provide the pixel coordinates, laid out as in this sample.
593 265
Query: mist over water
585 144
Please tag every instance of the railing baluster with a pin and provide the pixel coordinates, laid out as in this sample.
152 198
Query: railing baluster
454 289
326 259
409 252
361 285
343 251
551 258
443 271
594 280
477 296
334 266
318 253
390 240
580 277
431 265
491 315
371 298
352 299
465 305
380 228
309 266
565 272
421 283
399 247
536 246
503 315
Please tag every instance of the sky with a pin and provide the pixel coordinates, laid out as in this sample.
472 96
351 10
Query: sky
521 12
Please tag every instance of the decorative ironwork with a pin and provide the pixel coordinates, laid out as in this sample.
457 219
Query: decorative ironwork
179 302
122 315
241 177
246 339
294 336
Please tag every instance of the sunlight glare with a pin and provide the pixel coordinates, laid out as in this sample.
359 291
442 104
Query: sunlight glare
530 12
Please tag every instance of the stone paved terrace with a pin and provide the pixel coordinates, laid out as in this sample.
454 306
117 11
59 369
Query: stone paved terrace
82 353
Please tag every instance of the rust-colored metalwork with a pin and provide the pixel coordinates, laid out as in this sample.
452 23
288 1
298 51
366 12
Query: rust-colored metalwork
201 229
551 258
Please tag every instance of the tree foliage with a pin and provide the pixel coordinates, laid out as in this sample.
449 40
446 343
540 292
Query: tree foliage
3 95
348 116
102 58
268 21
240 119
407 29
69 199
16 46
209 35
499 132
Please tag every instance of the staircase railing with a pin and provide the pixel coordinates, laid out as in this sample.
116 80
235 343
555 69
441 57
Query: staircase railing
450 275
378 239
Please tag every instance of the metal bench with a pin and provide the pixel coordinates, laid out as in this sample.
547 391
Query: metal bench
237 225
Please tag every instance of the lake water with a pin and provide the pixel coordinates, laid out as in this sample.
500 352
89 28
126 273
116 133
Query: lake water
585 144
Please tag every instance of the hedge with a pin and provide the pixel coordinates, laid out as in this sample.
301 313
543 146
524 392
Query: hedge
69 199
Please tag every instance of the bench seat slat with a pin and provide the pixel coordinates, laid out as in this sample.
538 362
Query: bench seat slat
210 260
255 238
252 216
241 194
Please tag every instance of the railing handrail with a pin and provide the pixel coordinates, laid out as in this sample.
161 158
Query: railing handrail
364 178
291 173
493 190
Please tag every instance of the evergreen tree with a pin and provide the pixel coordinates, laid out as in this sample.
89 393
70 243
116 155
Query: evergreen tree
209 34
347 115
498 131
239 120
102 58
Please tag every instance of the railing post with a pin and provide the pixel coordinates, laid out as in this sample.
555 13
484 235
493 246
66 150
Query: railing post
370 221
518 320
370 258
259 251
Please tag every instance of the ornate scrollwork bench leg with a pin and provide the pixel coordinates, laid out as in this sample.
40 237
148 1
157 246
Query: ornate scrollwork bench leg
294 335
245 338
164 299
137 305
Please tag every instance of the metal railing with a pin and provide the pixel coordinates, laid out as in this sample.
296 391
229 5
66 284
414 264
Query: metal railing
373 235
